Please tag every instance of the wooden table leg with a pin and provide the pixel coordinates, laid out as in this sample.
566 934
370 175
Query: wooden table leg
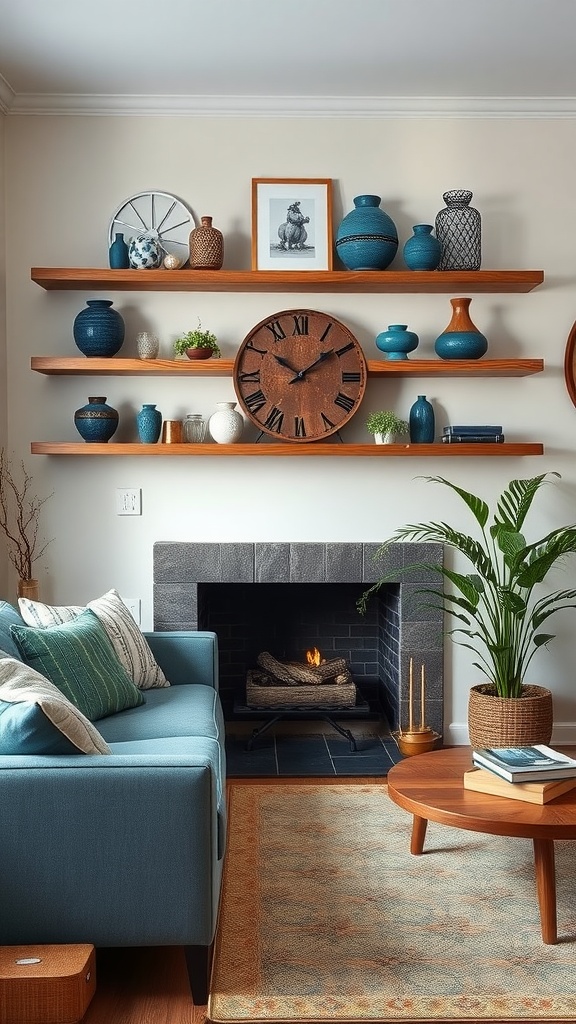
546 888
418 834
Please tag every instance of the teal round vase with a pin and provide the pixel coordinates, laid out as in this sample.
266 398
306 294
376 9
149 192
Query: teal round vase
96 421
366 238
422 421
118 253
99 329
461 339
422 251
149 424
397 341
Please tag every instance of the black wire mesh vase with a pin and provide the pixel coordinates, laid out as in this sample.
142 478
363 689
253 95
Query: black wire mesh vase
458 229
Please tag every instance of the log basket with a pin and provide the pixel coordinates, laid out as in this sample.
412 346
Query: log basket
509 721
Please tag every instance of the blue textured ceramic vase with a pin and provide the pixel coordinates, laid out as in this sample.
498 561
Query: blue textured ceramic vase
461 339
422 251
96 421
118 253
149 423
397 341
366 238
99 330
422 421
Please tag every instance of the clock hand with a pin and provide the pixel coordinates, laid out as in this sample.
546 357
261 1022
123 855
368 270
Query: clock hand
302 373
284 362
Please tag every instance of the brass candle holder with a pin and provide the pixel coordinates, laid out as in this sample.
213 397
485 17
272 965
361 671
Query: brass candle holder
416 739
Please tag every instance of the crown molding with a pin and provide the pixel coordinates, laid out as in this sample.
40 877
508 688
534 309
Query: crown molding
288 106
6 96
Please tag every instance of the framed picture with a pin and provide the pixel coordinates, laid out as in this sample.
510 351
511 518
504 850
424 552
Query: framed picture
292 224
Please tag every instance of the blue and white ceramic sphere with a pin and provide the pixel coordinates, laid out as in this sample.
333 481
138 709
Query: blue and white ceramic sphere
145 252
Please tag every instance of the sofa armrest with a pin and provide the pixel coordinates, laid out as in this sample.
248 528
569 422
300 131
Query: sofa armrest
186 656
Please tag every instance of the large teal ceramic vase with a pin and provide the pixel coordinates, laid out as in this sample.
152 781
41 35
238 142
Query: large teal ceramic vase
461 339
422 421
96 421
366 238
149 424
99 330
397 341
422 250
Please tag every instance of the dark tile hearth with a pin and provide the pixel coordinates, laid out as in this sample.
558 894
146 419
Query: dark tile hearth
320 753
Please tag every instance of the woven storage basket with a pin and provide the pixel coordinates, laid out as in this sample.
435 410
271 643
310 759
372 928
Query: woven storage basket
58 990
326 695
509 721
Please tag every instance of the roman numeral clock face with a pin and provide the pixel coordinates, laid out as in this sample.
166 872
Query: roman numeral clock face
300 375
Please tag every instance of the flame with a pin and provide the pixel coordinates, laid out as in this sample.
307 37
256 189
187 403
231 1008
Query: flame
313 657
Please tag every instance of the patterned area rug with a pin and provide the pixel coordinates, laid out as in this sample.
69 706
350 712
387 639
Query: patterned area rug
326 916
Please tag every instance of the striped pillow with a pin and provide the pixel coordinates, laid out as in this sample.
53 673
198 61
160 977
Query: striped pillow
79 659
130 645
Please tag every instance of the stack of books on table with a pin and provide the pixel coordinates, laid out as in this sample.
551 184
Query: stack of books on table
536 774
473 433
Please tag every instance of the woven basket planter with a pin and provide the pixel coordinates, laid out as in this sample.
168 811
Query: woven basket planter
326 695
509 721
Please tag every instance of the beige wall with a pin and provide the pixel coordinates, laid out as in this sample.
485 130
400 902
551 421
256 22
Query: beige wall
66 176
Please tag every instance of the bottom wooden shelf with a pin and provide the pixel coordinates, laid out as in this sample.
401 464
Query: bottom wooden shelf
273 449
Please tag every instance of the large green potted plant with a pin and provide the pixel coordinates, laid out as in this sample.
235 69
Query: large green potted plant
497 612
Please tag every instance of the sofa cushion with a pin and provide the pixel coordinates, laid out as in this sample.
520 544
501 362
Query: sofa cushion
79 659
130 645
8 617
190 710
36 717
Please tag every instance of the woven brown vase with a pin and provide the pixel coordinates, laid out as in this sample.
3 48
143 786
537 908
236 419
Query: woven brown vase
206 247
509 721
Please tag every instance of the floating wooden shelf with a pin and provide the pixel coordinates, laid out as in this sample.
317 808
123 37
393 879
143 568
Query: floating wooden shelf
274 450
116 367
378 281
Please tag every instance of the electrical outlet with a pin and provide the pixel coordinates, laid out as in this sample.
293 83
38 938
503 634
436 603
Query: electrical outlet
133 606
128 501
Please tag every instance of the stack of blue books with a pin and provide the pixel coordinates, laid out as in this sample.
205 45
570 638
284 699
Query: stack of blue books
473 433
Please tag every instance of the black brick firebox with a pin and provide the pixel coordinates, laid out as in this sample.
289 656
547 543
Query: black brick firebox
287 597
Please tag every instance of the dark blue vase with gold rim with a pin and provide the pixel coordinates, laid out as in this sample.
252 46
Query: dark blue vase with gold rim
96 422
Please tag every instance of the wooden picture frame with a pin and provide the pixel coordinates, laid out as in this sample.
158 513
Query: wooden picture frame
292 224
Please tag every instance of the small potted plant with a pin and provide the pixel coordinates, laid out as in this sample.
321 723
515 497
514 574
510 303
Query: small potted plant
197 344
386 426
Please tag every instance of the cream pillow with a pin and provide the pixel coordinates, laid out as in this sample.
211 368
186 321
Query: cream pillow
22 686
127 639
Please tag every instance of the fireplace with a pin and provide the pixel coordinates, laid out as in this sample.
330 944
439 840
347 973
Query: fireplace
286 597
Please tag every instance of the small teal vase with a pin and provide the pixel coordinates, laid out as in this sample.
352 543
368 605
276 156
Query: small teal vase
99 330
366 238
397 341
461 339
422 251
118 253
422 421
96 421
149 423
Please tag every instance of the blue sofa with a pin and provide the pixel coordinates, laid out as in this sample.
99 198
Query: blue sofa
125 849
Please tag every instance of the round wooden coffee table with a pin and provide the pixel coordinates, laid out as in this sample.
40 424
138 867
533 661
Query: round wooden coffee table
430 786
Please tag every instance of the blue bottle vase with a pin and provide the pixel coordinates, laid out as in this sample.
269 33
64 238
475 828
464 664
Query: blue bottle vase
422 251
96 421
461 339
118 253
397 341
149 423
366 238
422 421
99 330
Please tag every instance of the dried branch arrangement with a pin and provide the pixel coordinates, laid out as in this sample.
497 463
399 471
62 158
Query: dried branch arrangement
20 516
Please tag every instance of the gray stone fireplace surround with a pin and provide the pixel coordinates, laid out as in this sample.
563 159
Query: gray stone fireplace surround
267 596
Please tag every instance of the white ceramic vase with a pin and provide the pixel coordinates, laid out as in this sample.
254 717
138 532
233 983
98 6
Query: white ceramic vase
226 424
388 438
147 345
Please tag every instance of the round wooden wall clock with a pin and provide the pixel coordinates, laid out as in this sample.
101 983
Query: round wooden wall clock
300 375
570 364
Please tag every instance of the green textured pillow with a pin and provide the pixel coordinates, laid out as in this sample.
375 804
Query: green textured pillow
79 659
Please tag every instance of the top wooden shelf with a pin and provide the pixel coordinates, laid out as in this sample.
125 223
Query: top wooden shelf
376 281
